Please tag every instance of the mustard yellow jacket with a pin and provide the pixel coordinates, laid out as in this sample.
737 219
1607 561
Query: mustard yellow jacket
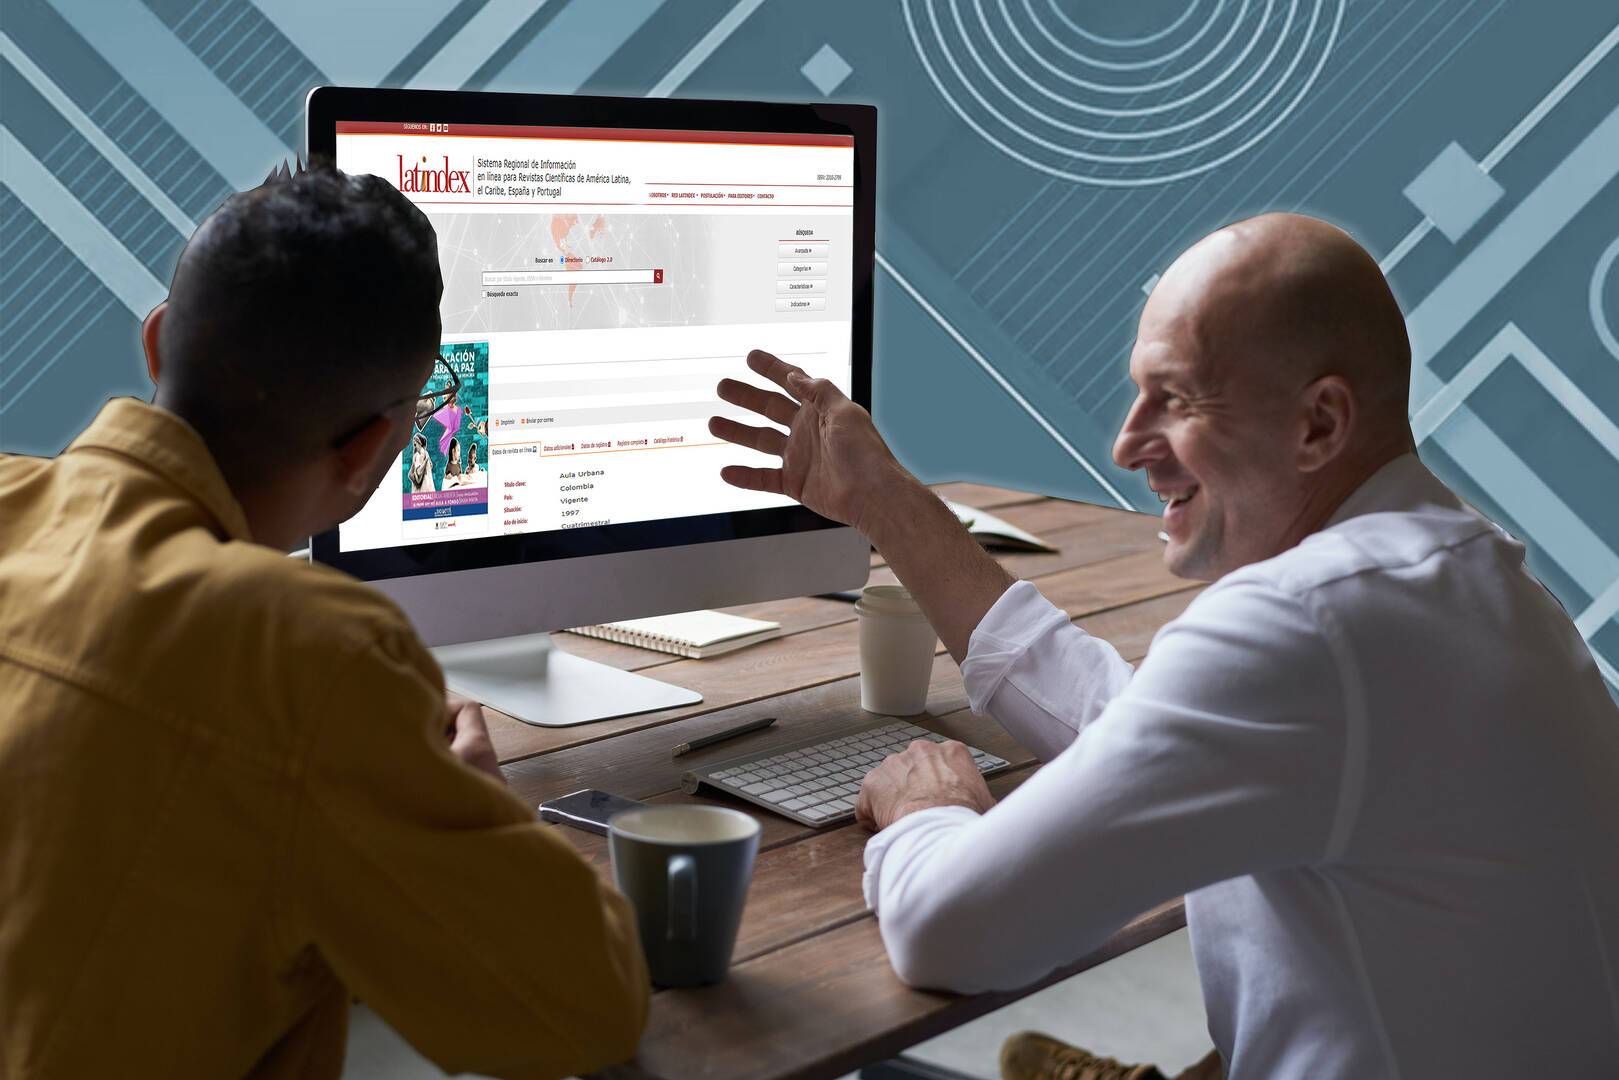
226 804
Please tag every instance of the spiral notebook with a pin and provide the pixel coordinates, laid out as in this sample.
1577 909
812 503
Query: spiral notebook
694 634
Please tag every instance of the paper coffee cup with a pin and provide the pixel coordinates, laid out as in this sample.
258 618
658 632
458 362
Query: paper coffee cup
896 651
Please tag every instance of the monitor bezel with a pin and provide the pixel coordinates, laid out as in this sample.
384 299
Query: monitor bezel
327 105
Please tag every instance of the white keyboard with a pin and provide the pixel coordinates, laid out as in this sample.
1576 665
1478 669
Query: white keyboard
817 781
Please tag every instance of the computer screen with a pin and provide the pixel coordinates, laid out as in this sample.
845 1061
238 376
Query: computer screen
598 282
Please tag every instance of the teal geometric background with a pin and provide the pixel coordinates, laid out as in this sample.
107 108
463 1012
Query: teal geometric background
1040 162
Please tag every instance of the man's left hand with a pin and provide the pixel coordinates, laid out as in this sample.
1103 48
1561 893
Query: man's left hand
469 738
923 775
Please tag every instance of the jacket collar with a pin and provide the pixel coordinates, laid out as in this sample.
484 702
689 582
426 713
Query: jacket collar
166 444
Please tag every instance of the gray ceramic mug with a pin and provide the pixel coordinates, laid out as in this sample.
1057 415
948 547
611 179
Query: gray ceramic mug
685 870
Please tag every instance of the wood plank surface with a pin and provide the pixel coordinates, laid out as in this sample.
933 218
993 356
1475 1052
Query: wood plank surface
983 496
1053 520
639 761
1076 529
811 993
821 655
809 887
962 724
825 1006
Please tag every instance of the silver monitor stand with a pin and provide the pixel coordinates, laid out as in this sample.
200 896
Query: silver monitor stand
530 678
515 667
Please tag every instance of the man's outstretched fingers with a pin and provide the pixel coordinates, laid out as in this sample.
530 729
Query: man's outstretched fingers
776 407
810 390
746 476
766 440
773 368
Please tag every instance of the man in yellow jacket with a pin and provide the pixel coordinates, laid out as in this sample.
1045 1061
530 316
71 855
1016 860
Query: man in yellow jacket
232 792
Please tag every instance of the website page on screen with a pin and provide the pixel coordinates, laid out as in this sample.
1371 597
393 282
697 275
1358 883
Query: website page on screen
598 282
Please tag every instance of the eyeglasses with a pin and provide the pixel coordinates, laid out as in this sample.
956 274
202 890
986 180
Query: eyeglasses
427 405
434 401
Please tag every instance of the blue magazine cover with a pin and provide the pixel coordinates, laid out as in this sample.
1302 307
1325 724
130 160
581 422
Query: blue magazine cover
445 472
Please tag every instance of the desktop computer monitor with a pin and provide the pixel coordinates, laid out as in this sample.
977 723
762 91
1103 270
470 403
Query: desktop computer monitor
606 261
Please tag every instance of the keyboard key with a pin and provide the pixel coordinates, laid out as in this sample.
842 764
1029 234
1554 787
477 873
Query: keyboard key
796 804
755 789
817 813
776 796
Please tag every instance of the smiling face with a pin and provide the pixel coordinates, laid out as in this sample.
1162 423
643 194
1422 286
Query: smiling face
1247 418
1210 442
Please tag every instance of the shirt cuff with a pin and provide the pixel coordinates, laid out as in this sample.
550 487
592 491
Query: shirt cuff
1014 622
879 847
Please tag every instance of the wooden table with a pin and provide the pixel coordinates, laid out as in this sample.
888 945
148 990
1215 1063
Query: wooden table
811 993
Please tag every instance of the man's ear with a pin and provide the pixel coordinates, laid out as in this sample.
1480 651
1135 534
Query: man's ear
360 456
149 339
1329 419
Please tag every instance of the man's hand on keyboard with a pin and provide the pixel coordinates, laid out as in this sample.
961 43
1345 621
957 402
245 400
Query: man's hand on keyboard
923 775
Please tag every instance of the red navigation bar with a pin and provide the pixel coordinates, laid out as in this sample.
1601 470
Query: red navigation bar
521 131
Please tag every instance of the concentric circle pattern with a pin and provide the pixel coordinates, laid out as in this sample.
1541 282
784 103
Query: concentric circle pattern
1047 86
1599 283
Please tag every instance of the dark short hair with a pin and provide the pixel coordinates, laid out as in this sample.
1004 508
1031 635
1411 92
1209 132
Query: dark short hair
299 309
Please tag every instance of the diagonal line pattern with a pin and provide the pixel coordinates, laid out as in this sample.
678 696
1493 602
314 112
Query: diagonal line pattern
1170 242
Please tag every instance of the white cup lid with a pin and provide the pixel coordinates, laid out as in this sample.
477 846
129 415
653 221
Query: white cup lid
887 600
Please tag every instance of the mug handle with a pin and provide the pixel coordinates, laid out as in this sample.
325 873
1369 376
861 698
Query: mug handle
682 898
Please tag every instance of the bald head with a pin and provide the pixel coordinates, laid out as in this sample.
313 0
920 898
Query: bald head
1273 371
1278 301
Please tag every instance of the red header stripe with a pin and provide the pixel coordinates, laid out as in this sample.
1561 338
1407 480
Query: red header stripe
520 131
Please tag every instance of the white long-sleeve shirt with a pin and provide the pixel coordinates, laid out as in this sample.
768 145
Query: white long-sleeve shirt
1381 766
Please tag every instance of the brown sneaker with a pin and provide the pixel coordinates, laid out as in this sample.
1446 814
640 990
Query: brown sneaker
1031 1056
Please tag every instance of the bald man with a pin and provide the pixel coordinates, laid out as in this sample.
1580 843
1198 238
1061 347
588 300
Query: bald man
1374 755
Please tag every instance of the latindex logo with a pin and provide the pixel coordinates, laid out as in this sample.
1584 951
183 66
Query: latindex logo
445 180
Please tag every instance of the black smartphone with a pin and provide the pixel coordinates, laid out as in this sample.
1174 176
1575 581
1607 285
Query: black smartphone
588 809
